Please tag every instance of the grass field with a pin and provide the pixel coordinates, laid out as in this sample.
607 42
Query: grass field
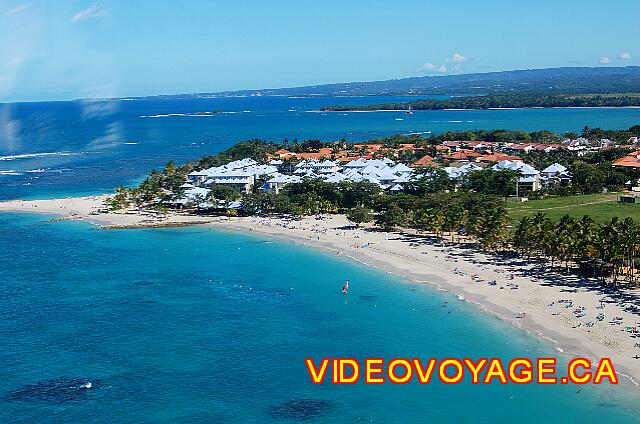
601 207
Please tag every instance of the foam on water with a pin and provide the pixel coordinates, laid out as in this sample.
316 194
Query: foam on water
33 155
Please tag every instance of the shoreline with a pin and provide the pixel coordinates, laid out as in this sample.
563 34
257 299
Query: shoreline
464 272
463 109
441 278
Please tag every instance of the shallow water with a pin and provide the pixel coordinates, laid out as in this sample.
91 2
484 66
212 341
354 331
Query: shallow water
198 325
195 325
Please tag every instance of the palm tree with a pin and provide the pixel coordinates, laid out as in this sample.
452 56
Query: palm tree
198 200
629 239
565 239
522 236
539 232
585 233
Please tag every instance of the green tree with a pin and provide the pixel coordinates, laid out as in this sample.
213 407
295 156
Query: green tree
391 218
358 215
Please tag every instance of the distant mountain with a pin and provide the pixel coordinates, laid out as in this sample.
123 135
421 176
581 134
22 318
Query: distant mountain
570 80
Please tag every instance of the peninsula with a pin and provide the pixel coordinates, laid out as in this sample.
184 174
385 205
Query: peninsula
456 220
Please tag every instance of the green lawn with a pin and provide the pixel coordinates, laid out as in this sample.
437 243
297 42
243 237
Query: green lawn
601 207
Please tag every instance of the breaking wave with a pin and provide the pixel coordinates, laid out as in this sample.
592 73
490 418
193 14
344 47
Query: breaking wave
33 155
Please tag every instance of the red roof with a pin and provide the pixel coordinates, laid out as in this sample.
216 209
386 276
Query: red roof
371 147
310 155
409 147
632 160
426 160
497 157
462 155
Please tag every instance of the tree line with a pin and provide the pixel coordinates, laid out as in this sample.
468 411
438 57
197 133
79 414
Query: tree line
598 249
498 102
475 210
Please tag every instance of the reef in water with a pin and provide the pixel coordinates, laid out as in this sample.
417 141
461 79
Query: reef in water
300 409
54 390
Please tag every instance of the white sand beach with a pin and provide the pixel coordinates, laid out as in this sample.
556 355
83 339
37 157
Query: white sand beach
580 318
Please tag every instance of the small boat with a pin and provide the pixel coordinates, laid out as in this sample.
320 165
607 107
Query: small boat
345 288
408 111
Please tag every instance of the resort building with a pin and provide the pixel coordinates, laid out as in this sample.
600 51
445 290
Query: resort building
457 172
350 165
632 160
278 181
555 174
529 179
425 160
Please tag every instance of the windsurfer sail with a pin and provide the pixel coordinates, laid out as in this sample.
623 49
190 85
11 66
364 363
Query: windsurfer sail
345 288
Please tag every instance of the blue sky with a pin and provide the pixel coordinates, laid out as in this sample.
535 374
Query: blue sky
74 49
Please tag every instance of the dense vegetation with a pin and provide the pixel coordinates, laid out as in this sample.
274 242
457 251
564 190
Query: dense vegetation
591 173
542 136
499 102
595 247
477 211
553 80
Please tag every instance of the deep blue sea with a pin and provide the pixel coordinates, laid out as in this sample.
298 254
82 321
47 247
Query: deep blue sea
192 325
90 147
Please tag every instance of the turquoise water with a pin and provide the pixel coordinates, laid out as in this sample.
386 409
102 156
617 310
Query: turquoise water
194 325
93 147
200 326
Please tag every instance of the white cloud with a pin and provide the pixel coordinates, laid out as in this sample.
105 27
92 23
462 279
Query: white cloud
625 56
427 67
93 12
458 58
430 68
451 64
17 9
604 60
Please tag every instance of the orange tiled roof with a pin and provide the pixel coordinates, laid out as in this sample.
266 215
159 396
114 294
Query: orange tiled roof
370 147
409 148
315 155
497 157
463 154
632 160
426 160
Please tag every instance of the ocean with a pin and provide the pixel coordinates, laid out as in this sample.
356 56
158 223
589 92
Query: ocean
87 147
197 325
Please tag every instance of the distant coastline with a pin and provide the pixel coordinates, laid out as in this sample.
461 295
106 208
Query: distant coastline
488 108
502 101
